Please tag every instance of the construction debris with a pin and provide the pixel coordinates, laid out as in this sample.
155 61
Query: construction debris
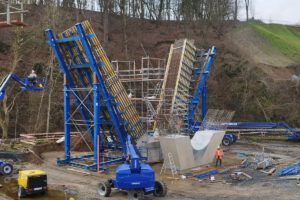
207 174
290 170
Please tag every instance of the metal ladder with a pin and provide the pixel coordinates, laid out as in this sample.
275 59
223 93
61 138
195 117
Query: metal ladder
171 164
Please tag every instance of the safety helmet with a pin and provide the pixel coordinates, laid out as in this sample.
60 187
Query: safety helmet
32 71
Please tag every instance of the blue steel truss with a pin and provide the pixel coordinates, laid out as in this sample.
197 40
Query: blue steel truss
87 103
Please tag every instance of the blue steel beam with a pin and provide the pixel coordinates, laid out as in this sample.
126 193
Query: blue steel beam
119 129
68 39
64 68
66 121
197 95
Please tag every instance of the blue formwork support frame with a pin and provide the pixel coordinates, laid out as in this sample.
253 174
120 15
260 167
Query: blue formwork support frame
96 120
66 119
201 89
100 92
106 96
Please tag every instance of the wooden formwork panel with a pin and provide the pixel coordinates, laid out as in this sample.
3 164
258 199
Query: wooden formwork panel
178 76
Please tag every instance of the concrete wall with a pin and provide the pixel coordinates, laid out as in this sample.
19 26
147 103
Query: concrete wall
188 154
181 149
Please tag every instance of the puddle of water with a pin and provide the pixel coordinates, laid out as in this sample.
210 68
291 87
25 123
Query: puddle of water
9 188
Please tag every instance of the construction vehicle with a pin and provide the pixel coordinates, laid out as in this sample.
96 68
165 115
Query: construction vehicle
39 83
200 95
6 168
134 176
32 182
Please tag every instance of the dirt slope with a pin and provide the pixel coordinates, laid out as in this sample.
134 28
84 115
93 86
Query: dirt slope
257 48
237 81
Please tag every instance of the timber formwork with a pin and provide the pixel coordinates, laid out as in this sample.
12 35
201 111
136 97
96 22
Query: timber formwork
101 106
175 93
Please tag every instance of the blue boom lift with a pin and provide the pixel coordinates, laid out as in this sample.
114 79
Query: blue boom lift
134 176
37 83
200 93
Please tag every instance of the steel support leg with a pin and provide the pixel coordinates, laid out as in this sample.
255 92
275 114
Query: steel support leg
96 89
204 103
67 118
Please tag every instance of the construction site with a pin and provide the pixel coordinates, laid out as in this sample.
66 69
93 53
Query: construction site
82 119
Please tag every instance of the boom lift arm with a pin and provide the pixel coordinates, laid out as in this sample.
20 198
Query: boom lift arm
40 83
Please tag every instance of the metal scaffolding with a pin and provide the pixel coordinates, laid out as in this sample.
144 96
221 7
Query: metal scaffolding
11 9
143 84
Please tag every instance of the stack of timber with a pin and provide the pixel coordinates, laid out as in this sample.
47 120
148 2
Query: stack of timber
35 138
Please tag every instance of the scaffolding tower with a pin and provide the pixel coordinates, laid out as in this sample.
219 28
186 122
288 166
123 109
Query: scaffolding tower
143 84
12 9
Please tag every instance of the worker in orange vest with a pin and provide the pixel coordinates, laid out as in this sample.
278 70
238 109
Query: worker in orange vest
219 155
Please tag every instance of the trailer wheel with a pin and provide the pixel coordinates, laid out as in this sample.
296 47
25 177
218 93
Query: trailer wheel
6 169
160 189
136 194
21 192
104 188
226 142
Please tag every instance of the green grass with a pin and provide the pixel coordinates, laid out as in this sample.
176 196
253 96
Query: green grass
282 37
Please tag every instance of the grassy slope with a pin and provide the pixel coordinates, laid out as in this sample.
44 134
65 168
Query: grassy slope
282 37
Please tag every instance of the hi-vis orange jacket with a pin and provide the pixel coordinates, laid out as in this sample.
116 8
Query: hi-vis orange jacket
219 153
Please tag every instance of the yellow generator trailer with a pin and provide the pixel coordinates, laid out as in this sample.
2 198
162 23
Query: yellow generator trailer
31 182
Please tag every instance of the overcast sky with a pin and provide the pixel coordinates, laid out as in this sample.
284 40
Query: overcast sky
275 11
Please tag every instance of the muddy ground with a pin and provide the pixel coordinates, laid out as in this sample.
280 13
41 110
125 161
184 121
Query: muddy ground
83 186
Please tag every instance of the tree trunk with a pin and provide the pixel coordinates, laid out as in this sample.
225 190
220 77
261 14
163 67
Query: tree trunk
161 4
142 15
105 23
235 10
247 2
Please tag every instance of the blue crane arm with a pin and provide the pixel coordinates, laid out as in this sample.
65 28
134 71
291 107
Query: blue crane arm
6 82
23 82
197 94
135 165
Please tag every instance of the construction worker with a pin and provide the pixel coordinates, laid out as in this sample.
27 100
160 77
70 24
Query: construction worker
32 77
219 156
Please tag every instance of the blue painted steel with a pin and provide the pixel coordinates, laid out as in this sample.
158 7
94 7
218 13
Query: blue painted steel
107 98
134 174
204 108
293 169
41 83
207 174
66 121
96 121
64 68
68 39
102 101
196 96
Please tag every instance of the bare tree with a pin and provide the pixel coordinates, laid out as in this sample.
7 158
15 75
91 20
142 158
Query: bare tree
106 5
235 10
6 104
247 4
